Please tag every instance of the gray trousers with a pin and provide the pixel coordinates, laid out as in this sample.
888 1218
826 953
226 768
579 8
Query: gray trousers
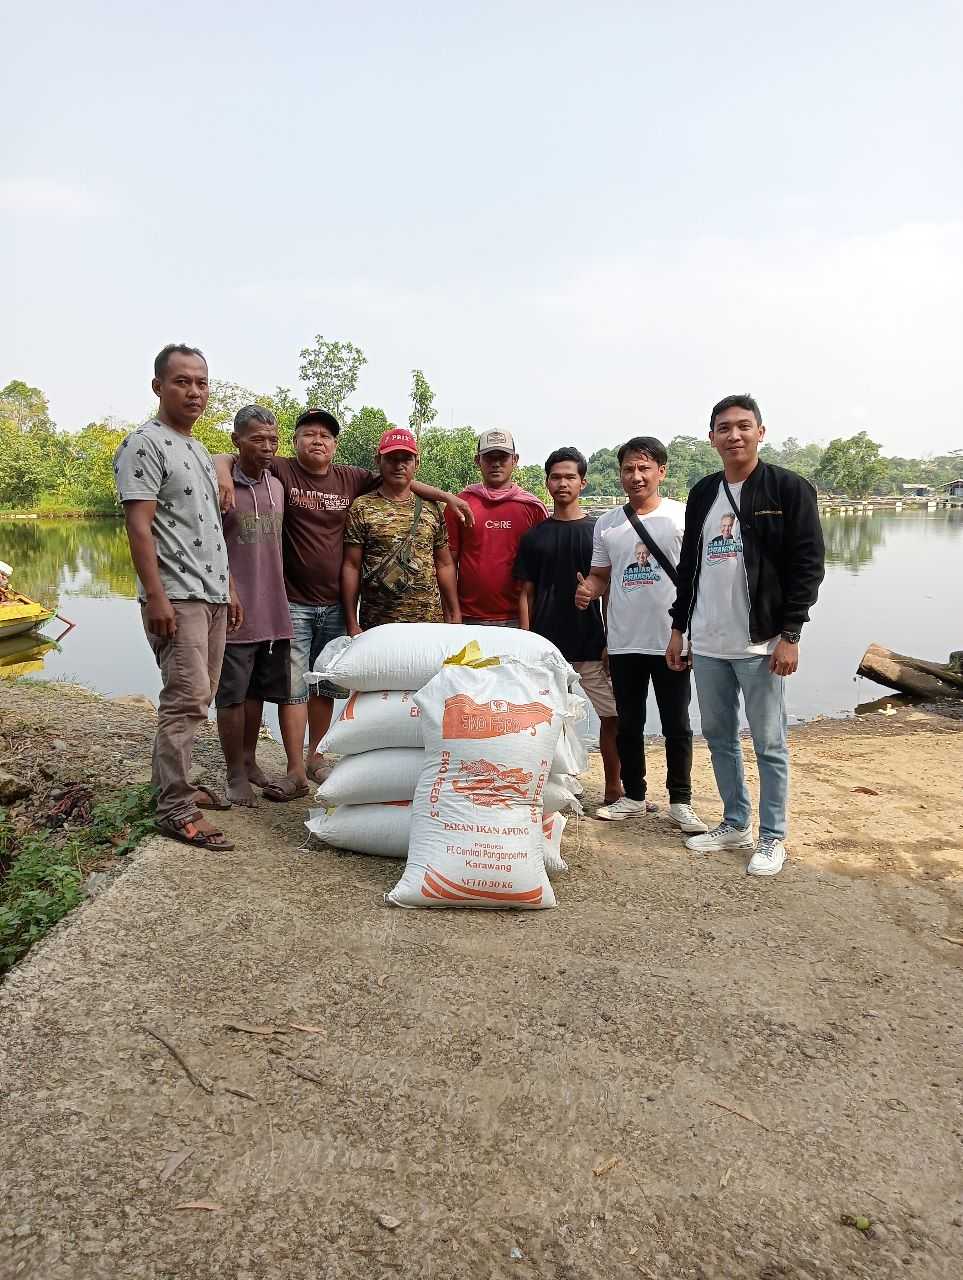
190 667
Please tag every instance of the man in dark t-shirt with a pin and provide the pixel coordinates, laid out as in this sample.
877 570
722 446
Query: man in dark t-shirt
317 495
552 559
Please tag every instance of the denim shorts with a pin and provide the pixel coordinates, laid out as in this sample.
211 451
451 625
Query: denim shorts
313 626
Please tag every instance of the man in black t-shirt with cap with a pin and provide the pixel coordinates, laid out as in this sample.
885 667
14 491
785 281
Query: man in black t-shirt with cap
552 560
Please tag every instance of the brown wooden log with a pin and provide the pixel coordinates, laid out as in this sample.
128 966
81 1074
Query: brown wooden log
910 675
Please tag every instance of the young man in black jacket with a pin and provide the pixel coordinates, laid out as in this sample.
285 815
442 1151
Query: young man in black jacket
751 563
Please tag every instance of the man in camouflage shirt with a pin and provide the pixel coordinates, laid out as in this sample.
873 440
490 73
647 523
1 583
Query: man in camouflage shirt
396 556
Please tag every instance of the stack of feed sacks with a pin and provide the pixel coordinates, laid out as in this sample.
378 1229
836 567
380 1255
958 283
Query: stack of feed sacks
477 840
367 796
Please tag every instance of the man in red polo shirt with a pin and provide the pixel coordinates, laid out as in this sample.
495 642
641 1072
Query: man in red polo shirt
484 555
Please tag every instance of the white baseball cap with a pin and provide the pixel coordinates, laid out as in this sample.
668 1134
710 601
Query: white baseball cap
489 441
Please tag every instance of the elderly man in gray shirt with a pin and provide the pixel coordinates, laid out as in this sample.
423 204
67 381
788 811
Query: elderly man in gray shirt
167 484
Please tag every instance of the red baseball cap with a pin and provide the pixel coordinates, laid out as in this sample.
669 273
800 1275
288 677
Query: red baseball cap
398 438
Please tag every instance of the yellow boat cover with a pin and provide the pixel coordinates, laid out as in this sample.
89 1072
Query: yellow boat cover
20 610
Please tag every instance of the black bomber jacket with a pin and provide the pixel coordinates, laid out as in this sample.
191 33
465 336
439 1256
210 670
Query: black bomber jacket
783 550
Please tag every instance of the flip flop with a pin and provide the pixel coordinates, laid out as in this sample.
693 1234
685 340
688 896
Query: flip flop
187 832
214 798
318 771
277 792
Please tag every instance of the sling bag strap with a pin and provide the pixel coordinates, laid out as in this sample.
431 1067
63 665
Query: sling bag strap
732 503
651 543
403 546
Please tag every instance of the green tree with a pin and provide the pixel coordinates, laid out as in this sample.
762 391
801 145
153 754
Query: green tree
532 478
329 371
32 452
25 407
423 413
801 458
690 458
448 458
89 472
602 476
359 439
287 408
852 465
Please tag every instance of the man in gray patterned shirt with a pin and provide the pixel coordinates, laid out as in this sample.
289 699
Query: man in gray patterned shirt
167 484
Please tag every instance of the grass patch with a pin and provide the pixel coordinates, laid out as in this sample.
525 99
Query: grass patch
43 871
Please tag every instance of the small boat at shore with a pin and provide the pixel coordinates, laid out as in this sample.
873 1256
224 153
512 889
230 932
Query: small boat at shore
19 614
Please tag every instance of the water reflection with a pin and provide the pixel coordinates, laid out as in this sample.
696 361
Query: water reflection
852 541
23 655
891 578
72 557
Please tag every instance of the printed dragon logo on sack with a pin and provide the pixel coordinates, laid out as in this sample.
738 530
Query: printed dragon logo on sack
466 718
491 787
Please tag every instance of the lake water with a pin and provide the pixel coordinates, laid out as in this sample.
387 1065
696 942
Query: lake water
892 578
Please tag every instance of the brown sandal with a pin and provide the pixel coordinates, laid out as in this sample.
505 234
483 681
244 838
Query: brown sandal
281 793
214 798
187 832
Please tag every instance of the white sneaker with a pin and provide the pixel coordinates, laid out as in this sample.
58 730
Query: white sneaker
686 818
622 809
724 836
768 858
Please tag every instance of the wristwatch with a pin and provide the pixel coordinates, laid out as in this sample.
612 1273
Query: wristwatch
790 637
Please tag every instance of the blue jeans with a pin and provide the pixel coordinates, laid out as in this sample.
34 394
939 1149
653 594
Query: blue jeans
313 625
718 683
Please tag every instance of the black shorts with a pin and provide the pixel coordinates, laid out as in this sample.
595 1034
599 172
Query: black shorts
260 671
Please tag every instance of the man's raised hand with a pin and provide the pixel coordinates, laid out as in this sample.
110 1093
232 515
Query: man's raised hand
584 595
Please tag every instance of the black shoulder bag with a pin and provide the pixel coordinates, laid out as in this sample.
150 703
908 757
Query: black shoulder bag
394 574
651 543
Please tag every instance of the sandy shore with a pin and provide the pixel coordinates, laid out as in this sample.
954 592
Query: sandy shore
681 1072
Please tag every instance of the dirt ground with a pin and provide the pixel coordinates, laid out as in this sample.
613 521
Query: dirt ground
680 1072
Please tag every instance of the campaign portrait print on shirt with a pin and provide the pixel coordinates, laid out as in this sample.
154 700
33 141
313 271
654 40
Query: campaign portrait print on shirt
643 571
725 545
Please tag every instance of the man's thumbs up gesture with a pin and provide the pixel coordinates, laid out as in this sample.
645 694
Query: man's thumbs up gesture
584 594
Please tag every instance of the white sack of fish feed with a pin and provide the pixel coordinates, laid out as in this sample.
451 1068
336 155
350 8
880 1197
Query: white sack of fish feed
571 754
374 777
476 820
391 718
391 776
406 655
553 825
374 721
559 795
383 831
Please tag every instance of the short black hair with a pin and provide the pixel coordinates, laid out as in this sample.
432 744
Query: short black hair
251 415
648 445
735 402
162 359
321 417
568 453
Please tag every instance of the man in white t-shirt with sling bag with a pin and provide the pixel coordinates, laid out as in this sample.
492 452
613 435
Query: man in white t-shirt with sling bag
634 557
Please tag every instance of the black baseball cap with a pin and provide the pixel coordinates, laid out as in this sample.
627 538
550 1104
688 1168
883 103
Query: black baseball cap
321 417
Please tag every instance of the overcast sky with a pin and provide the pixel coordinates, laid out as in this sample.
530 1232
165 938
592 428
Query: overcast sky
581 220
